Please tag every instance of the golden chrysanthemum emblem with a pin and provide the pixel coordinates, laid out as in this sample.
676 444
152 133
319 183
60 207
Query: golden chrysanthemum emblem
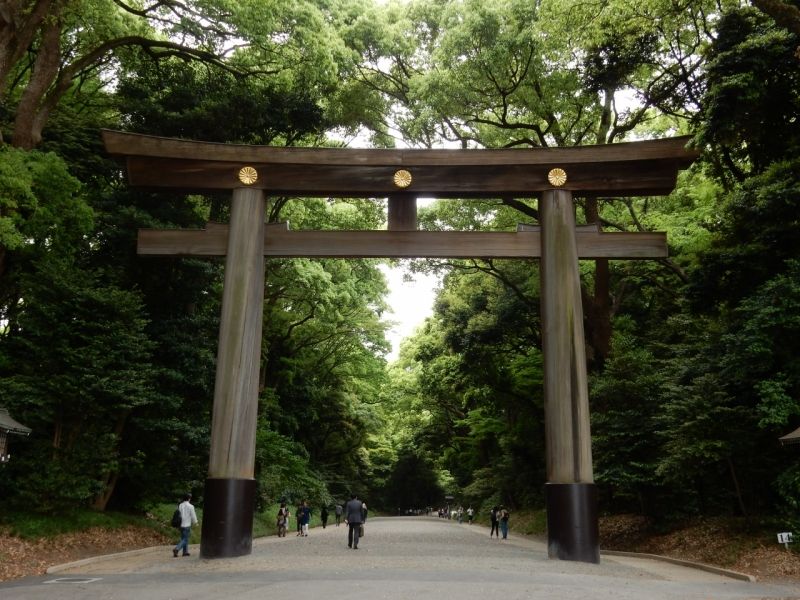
557 177
402 178
248 175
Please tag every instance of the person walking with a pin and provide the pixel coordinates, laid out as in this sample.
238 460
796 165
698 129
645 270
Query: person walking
305 518
188 518
323 515
363 512
470 514
504 514
282 519
338 510
298 513
352 517
493 516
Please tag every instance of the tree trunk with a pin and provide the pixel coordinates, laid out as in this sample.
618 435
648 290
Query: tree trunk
101 500
784 13
736 487
111 477
29 120
17 33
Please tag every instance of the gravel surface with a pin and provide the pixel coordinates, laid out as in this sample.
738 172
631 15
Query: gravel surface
399 558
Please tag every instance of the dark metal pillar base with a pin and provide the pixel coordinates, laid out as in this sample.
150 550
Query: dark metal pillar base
572 530
228 508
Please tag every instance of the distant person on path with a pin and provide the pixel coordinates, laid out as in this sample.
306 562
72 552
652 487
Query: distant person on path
304 517
504 514
352 516
470 514
298 512
493 515
282 519
188 518
338 510
363 512
323 515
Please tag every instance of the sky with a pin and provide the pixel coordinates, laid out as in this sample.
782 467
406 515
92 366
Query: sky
410 301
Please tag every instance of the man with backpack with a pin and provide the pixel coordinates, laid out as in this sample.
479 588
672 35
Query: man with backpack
188 518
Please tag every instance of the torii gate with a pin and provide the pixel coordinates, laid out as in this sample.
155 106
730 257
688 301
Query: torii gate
551 174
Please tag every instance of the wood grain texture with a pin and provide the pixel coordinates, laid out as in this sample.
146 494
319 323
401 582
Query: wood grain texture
233 427
282 243
628 169
123 144
567 433
629 178
402 212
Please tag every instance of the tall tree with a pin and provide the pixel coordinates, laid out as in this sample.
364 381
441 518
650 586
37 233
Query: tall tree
76 366
323 344
51 48
733 396
516 74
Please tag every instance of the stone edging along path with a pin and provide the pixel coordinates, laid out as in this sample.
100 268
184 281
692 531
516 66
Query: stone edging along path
684 563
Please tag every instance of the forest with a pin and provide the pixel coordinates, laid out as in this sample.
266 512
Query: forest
109 357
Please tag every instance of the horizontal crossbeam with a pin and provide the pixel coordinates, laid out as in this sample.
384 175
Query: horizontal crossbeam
625 169
280 242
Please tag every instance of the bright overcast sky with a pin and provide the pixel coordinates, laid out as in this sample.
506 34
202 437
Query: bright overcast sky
410 301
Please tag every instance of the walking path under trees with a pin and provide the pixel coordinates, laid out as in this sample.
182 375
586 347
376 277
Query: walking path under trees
420 558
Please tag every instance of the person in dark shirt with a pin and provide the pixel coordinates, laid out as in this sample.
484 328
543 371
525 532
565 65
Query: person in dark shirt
304 516
494 517
352 516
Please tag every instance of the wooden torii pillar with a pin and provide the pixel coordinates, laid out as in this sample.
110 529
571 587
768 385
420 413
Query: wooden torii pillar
552 175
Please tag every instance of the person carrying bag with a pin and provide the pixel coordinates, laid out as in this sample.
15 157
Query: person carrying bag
353 518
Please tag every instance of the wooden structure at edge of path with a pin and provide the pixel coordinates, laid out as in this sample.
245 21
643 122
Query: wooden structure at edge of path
552 175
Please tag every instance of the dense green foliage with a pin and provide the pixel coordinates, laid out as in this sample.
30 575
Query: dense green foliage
110 358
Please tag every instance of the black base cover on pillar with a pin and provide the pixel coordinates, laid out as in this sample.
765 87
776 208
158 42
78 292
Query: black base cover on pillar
228 510
572 531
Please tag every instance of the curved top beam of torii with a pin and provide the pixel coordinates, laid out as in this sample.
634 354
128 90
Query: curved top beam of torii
645 168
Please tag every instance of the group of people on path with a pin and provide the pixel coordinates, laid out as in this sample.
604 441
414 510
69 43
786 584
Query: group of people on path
499 516
469 513
302 516
354 513
352 517
458 514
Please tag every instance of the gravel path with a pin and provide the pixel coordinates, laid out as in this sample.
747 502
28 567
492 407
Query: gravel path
399 559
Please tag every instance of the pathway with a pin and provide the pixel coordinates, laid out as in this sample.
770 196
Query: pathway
404 558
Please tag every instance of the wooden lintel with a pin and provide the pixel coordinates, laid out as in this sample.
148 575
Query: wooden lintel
625 169
279 242
119 143
632 178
